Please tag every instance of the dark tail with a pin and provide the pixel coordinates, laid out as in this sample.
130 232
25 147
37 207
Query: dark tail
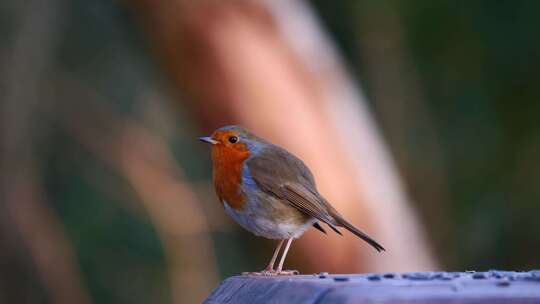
319 227
343 223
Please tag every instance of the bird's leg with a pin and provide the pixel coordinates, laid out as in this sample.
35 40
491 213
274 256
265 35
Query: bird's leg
269 270
282 260
280 270
270 267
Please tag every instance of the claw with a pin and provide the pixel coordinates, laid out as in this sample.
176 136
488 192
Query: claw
288 272
269 273
262 273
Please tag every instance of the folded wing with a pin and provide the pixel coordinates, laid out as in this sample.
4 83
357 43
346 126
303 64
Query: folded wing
283 175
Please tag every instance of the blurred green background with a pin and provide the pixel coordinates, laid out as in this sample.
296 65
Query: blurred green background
452 84
462 120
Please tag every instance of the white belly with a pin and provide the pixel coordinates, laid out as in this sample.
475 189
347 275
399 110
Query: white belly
257 222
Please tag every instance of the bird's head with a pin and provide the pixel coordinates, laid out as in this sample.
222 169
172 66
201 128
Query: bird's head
234 139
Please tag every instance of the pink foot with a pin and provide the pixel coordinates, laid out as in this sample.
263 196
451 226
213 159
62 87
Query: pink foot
287 272
265 272
272 273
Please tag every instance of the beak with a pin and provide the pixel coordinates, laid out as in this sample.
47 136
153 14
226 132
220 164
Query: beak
209 140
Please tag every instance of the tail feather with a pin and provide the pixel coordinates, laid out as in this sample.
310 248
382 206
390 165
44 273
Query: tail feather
343 223
319 227
334 228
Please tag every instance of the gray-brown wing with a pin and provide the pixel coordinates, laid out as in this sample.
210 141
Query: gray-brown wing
283 175
279 173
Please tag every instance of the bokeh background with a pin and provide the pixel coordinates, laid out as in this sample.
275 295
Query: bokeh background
420 120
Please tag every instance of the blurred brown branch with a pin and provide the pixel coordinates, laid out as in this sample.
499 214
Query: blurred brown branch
45 239
144 160
176 213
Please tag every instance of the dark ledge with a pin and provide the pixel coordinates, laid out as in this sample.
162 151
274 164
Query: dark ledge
416 287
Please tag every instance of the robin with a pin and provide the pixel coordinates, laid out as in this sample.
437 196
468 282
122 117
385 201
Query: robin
270 192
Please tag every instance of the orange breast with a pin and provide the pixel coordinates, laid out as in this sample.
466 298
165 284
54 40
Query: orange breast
228 164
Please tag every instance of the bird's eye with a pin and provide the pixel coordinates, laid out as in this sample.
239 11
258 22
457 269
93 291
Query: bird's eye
233 139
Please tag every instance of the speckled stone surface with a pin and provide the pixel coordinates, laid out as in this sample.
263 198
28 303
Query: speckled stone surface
492 286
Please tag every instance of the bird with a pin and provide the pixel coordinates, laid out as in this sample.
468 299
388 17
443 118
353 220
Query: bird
270 192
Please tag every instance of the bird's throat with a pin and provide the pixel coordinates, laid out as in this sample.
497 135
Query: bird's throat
228 164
